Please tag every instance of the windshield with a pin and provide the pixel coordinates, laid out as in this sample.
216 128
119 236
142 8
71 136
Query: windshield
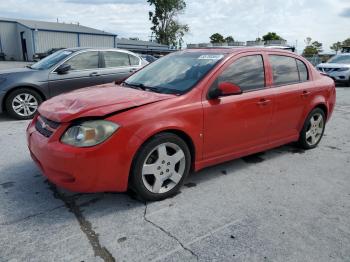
51 60
176 73
340 59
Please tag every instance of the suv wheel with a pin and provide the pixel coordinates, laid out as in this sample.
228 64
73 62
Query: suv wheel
23 103
160 167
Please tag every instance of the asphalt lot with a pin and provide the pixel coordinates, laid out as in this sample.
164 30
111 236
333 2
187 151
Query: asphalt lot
285 204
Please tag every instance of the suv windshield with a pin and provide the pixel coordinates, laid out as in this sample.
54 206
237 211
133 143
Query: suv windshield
340 59
51 60
175 73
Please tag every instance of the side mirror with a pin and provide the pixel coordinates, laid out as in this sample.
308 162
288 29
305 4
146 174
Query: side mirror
224 89
63 69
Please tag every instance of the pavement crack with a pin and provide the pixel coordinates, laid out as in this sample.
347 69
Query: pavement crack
85 225
168 233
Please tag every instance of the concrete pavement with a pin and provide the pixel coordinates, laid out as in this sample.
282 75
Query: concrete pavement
285 204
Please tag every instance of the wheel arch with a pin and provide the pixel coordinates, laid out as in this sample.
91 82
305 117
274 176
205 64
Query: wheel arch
180 133
323 107
3 106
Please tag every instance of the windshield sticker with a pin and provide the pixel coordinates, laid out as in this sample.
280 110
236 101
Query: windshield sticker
211 57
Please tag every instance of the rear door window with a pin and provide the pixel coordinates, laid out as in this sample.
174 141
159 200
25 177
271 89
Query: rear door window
84 61
284 69
246 72
115 59
134 61
303 73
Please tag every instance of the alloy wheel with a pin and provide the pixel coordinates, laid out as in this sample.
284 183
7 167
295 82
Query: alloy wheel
163 168
25 104
315 129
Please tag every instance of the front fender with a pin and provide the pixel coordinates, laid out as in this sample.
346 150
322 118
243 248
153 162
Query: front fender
179 125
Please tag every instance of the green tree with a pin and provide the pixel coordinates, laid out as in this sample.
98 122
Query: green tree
310 51
166 27
312 48
346 42
272 36
217 38
229 39
336 47
318 46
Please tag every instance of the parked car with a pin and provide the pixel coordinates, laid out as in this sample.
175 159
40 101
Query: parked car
186 111
338 68
23 89
39 56
149 58
345 49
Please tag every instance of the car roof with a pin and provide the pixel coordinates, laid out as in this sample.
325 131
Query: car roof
230 50
76 49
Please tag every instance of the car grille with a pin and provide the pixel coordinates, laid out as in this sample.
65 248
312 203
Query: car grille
328 70
45 126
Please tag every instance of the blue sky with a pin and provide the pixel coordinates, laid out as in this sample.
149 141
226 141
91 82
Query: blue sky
327 21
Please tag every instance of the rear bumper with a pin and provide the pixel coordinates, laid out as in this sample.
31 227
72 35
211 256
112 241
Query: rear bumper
102 168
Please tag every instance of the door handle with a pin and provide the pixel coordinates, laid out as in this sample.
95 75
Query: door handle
94 74
133 70
305 93
263 102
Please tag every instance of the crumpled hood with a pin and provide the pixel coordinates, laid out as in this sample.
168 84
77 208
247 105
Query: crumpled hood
96 101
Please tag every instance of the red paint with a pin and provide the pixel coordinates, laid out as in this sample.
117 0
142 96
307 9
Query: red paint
220 129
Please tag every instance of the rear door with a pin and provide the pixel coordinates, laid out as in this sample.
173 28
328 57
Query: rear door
118 65
84 72
292 88
236 123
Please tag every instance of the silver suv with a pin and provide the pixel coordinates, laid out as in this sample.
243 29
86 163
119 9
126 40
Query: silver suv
338 68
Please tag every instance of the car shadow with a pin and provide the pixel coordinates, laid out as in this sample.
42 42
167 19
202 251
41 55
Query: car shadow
6 118
27 193
232 167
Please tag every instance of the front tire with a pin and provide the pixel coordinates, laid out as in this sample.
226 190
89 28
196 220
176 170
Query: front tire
23 103
160 167
313 129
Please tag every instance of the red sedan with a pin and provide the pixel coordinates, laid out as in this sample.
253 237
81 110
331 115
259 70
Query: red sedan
185 111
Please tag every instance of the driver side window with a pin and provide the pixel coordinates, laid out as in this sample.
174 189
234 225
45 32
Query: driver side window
247 72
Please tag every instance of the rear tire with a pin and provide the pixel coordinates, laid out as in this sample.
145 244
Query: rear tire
160 167
313 129
23 103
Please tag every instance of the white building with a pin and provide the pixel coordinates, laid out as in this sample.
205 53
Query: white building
21 39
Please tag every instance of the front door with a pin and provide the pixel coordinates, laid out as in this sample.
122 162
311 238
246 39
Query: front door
84 72
236 123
